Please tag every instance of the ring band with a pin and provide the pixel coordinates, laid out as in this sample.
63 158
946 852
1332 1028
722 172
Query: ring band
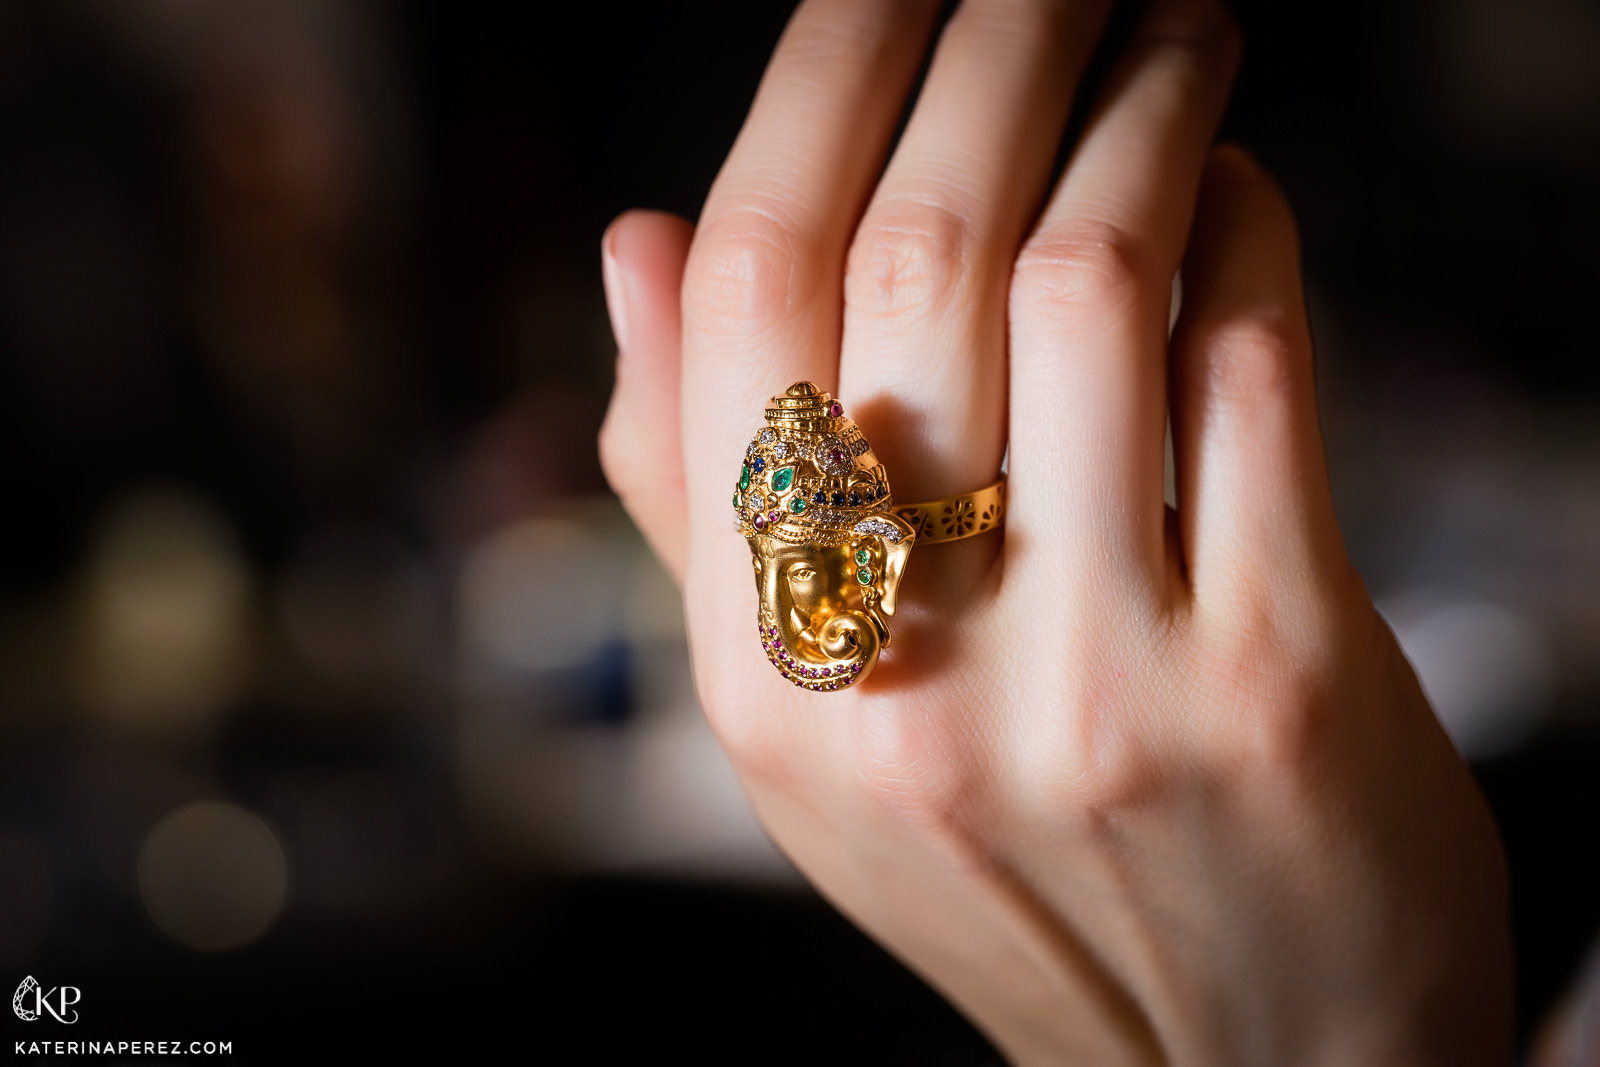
827 541
956 517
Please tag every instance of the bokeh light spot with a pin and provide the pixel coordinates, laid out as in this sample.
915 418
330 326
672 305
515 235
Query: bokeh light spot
213 875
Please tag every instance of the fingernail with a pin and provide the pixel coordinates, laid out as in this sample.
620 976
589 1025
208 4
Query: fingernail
611 278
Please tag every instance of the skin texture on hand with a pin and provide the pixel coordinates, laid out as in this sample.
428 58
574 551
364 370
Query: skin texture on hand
1134 784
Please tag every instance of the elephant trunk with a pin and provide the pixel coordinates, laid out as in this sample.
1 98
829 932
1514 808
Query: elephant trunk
845 651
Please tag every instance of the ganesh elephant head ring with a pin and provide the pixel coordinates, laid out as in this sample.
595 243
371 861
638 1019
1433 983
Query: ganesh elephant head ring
828 542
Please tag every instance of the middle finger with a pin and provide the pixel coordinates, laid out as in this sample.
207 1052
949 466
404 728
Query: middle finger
923 353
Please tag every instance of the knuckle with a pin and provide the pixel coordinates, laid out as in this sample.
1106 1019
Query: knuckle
1115 771
1201 28
1272 692
1186 57
1108 780
1326 609
1232 165
838 37
1262 628
1093 761
908 764
748 270
1252 359
1001 31
907 258
1288 731
1083 271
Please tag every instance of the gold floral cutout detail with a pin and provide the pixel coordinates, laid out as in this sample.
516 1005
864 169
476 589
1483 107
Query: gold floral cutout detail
957 517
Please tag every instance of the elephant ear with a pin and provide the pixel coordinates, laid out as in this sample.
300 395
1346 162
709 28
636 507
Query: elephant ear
895 537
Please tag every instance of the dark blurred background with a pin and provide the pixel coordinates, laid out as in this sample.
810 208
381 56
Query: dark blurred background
341 704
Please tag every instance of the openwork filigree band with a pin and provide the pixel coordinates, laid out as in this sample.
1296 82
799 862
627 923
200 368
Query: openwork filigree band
961 516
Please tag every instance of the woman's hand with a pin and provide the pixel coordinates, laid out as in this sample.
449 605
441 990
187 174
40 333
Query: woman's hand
1134 784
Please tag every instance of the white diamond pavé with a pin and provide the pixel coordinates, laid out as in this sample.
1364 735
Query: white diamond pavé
878 528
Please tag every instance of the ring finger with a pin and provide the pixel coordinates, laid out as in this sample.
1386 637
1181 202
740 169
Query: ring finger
1091 304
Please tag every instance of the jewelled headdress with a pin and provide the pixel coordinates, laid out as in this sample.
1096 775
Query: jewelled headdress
809 475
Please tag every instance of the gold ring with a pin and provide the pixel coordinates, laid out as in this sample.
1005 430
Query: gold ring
828 543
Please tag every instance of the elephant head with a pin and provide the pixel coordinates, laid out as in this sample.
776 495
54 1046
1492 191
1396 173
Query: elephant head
824 609
813 503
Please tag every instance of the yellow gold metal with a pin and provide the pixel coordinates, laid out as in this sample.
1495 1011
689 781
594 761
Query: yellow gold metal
827 542
956 517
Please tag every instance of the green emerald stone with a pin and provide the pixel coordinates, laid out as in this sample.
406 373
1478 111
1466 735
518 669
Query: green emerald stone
864 575
738 499
863 557
744 476
797 505
782 479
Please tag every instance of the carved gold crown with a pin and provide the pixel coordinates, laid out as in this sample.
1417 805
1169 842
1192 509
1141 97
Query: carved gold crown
809 475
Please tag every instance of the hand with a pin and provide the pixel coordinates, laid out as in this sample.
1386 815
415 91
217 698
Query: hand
1134 784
